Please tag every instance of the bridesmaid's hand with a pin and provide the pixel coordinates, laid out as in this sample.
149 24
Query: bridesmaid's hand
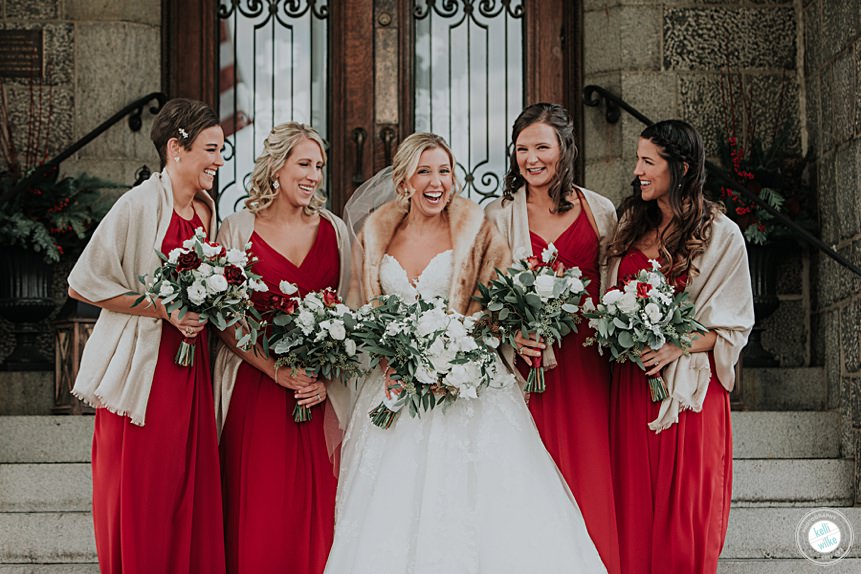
190 325
313 394
527 348
655 361
287 378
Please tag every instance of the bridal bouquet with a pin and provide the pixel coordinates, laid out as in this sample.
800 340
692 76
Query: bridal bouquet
204 277
540 296
431 351
646 311
314 333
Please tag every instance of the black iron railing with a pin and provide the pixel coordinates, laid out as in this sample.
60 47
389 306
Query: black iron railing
134 111
613 106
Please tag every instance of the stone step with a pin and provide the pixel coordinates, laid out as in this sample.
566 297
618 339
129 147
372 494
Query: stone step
46 538
769 533
792 482
49 569
785 434
801 566
26 392
46 438
45 487
785 389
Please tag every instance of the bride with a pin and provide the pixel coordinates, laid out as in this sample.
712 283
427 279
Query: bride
470 489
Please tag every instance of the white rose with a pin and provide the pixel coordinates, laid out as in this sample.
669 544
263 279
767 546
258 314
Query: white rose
165 290
174 254
350 347
455 330
611 297
654 313
237 257
196 293
575 285
544 286
287 288
306 321
336 330
205 270
216 284
258 285
189 243
425 376
313 301
340 310
431 321
211 251
628 303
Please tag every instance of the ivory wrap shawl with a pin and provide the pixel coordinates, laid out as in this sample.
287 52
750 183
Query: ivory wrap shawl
234 233
512 221
722 295
119 359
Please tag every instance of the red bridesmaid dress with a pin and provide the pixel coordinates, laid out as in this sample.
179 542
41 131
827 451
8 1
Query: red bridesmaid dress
573 413
278 483
156 490
673 488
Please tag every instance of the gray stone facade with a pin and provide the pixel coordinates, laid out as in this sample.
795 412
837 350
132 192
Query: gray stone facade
99 56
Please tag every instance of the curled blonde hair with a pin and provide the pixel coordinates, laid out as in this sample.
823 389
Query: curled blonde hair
406 161
277 147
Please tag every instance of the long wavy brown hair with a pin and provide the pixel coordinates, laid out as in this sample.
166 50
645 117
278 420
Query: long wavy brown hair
558 118
689 229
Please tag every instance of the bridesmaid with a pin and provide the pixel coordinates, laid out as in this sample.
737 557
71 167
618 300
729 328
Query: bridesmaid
278 481
156 500
673 460
541 205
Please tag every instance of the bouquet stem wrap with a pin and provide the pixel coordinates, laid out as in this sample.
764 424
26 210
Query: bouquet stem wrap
658 389
185 354
535 380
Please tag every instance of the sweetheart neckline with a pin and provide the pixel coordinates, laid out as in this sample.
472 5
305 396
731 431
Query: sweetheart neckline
415 283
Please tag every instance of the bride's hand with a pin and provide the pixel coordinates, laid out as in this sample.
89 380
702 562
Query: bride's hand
393 387
527 347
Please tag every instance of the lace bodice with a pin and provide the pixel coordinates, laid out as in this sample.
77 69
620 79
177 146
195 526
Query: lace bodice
434 280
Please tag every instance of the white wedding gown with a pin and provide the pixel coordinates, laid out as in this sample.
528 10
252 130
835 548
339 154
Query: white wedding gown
467 490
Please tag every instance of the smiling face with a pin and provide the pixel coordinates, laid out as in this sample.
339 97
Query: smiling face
197 166
538 152
301 173
431 183
652 171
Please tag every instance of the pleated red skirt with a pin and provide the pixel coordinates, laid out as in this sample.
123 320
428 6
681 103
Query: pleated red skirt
278 482
573 414
673 489
156 488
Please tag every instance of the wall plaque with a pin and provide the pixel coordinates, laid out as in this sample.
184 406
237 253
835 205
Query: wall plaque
21 53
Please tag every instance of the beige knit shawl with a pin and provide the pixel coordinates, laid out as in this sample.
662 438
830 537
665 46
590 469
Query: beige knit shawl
512 220
721 293
234 233
119 359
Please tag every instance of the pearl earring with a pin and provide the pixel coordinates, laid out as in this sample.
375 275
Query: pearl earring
176 158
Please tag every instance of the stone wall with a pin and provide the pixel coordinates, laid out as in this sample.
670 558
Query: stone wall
832 70
690 59
100 55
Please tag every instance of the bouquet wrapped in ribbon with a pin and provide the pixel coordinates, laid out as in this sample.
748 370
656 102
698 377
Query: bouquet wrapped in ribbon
313 333
538 295
431 352
203 277
646 311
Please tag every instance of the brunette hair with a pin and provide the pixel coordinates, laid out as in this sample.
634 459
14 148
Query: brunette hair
182 119
689 229
558 118
277 147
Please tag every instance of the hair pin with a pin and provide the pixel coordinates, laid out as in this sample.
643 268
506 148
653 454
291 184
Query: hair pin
183 133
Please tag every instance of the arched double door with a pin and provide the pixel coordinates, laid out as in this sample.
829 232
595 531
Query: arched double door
366 73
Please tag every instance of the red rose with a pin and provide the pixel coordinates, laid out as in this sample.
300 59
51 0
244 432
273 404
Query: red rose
532 262
643 290
234 275
285 304
558 268
187 261
330 298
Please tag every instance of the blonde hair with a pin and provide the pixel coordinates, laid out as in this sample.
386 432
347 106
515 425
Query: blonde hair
406 161
277 147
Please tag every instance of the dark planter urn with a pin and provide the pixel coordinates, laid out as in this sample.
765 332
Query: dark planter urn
25 300
763 261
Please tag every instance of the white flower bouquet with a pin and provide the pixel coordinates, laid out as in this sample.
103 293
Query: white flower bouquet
313 333
646 311
203 277
539 296
432 353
